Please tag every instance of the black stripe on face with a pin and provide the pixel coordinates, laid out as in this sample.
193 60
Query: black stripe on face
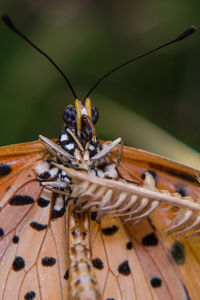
21 200
5 169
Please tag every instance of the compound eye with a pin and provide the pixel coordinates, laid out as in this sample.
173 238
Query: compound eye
69 116
95 114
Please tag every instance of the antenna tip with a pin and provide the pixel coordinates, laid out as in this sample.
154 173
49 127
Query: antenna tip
187 33
8 21
192 29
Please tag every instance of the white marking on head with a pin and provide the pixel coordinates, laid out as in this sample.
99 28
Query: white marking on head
53 172
64 137
91 147
83 111
63 173
69 146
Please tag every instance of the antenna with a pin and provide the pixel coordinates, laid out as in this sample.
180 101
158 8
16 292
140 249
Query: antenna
184 35
11 25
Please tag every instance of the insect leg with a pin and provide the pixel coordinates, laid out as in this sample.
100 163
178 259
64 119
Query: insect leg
58 151
117 165
106 150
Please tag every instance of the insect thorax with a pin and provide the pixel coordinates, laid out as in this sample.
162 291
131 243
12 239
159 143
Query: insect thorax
82 152
69 144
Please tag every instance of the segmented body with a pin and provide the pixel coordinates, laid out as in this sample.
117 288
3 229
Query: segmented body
82 280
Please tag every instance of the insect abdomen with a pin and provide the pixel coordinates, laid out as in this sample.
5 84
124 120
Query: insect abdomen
83 284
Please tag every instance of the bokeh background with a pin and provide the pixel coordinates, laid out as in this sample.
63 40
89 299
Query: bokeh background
87 38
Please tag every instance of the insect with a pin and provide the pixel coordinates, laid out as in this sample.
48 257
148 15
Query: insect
85 219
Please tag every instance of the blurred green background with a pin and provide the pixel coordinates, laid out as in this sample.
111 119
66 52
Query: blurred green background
87 39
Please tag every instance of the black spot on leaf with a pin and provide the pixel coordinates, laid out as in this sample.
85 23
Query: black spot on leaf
124 268
18 263
93 215
156 282
129 245
48 261
42 202
97 263
178 253
1 232
45 175
5 169
110 230
66 276
150 240
58 213
181 189
30 295
37 226
21 200
15 239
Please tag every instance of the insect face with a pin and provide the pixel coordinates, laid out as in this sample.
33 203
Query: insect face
81 118
69 115
79 137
